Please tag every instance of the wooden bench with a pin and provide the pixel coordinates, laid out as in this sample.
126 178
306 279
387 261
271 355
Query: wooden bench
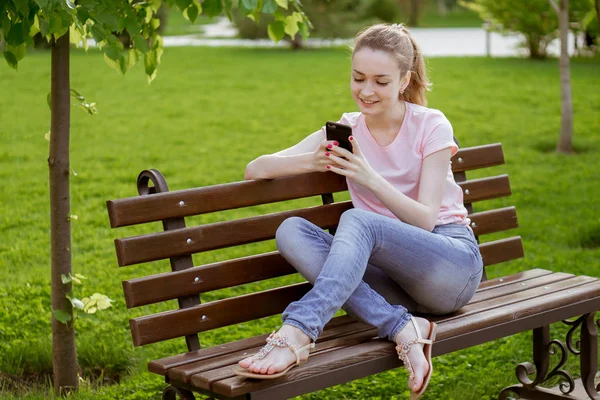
348 349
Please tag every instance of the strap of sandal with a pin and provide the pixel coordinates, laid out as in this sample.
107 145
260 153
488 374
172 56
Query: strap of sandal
277 340
404 347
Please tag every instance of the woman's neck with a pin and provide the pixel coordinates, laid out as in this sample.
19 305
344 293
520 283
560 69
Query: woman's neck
388 123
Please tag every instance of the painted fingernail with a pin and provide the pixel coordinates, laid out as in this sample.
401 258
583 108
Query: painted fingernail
351 138
327 154
329 146
329 167
336 143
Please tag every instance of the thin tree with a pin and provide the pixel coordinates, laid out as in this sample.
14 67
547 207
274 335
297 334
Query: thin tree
565 140
63 22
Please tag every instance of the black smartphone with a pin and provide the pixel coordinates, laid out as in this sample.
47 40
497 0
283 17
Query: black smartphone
339 133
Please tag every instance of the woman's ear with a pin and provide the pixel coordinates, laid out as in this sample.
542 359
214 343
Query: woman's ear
405 81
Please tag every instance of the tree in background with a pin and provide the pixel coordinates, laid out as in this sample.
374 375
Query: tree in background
65 22
565 140
533 18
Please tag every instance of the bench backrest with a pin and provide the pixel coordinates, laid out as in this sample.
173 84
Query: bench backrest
187 282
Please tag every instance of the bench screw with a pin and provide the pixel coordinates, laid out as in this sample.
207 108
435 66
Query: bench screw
203 317
473 224
196 279
181 203
546 287
501 280
467 191
460 159
189 241
522 284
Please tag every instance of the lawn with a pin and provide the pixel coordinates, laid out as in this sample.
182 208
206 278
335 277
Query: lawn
207 114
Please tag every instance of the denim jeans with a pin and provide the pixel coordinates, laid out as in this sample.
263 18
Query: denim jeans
378 269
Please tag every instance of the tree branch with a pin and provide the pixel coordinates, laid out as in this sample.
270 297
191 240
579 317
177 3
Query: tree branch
554 6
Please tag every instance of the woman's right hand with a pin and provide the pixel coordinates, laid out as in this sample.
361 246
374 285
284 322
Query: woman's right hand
320 157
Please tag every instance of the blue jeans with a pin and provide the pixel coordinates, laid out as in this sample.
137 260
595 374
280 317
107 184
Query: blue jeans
378 270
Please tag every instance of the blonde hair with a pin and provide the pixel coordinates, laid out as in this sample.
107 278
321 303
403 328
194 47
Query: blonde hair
397 41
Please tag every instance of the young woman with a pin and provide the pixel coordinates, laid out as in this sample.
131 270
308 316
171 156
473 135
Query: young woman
406 246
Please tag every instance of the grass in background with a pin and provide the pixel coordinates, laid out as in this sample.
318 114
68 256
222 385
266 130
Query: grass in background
208 113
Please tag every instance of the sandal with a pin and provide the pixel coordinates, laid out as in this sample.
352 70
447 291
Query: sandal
274 340
404 348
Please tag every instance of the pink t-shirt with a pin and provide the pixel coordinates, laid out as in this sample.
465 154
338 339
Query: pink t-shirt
423 132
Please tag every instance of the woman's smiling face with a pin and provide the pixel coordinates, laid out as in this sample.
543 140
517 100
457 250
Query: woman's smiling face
375 83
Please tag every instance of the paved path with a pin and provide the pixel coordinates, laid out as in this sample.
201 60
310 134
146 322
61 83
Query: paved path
434 42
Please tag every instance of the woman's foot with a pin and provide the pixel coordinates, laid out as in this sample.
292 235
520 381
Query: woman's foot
279 358
416 356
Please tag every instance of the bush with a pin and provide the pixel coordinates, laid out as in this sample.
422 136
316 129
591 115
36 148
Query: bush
535 19
331 19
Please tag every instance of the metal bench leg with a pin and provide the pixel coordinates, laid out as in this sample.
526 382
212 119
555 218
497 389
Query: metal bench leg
171 393
543 348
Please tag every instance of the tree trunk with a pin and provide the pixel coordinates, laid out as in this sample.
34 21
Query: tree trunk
64 357
564 144
413 18
443 8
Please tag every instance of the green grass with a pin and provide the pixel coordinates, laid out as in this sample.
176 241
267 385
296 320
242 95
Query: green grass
208 113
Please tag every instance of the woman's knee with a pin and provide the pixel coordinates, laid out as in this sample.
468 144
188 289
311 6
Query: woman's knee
288 232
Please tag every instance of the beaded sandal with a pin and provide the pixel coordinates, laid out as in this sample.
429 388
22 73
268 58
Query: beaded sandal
274 340
404 348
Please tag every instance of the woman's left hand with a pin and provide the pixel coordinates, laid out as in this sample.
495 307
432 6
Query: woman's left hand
353 165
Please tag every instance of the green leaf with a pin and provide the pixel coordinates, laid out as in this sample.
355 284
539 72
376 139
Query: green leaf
17 34
269 7
303 29
79 276
250 4
183 4
228 5
212 8
291 24
70 5
61 316
42 3
65 279
282 3
276 30
191 13
11 60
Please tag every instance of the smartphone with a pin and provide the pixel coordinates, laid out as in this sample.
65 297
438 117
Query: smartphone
339 133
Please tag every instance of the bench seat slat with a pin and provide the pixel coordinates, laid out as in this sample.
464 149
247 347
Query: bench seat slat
343 336
483 295
511 316
159 206
161 366
172 285
507 280
515 297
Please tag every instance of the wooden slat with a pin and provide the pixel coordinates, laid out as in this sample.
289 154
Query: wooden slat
497 220
516 297
478 157
485 188
172 324
507 313
162 365
499 291
501 250
156 207
182 203
172 285
156 246
342 336
507 280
